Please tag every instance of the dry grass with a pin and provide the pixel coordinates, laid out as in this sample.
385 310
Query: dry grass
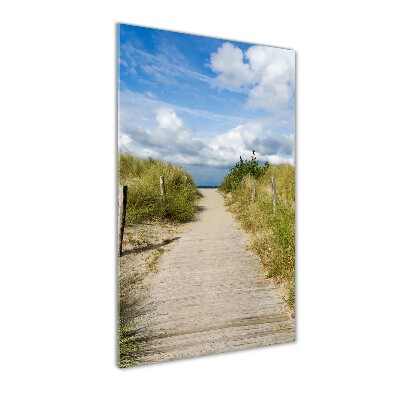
273 231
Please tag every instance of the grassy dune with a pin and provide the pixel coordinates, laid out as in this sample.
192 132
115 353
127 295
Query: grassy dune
144 199
273 232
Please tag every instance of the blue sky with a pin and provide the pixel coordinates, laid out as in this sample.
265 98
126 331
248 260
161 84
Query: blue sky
201 103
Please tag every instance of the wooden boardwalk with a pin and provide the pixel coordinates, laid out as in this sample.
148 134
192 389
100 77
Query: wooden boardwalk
209 295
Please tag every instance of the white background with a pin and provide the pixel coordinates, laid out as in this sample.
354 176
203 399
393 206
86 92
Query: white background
58 157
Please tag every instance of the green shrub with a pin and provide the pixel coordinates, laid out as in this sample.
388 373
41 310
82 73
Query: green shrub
241 170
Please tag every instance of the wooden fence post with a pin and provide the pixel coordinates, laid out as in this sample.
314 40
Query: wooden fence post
122 198
253 190
242 183
273 192
162 188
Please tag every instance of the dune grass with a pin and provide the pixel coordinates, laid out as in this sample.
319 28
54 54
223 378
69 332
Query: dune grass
272 231
144 198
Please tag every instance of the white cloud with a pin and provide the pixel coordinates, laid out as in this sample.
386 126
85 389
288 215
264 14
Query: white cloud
243 139
167 139
130 101
170 141
268 75
167 119
275 159
227 62
123 140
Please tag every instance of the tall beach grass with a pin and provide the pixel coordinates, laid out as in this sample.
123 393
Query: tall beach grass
272 230
144 198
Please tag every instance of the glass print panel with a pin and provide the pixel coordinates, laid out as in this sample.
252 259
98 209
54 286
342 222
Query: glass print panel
206 197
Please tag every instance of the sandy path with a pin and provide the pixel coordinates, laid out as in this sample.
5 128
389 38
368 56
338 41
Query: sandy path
209 295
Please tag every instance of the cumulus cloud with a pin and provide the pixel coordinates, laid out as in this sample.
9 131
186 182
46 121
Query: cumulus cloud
170 141
167 119
227 62
243 139
267 74
166 139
